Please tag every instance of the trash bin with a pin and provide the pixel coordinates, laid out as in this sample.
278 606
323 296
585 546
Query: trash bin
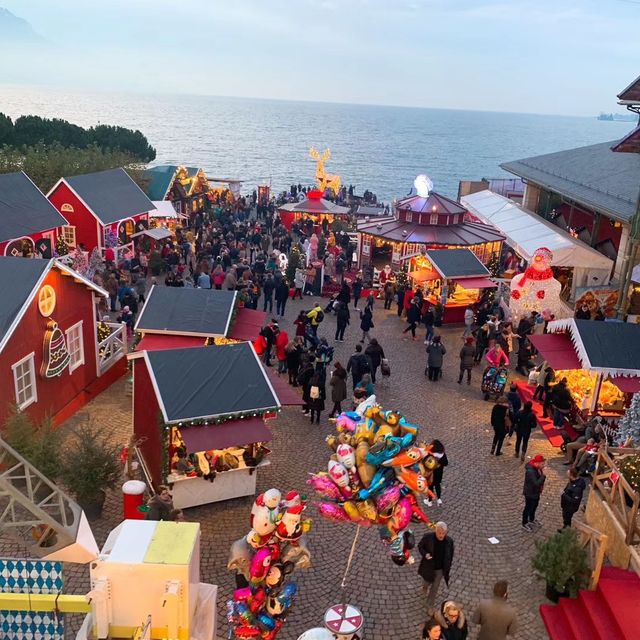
133 498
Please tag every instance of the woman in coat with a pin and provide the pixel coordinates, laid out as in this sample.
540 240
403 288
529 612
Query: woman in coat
338 384
282 340
499 419
317 394
293 353
413 317
375 353
304 377
435 358
452 621
439 453
366 324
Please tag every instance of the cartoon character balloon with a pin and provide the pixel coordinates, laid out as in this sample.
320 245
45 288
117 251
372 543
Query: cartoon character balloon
263 561
377 470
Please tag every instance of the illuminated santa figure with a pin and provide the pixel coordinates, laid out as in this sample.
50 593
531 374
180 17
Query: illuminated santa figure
536 289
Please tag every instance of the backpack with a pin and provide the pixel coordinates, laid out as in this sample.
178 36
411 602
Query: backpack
319 316
365 367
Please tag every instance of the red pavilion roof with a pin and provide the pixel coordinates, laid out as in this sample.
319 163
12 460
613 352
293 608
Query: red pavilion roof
442 204
315 205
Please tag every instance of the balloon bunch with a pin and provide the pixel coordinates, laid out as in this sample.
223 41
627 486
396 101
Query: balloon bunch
263 561
374 475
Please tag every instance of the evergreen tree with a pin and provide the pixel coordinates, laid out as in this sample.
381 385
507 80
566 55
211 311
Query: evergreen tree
494 265
80 262
295 261
61 246
95 263
629 425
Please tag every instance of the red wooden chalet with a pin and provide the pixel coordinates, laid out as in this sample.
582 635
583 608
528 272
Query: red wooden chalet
29 224
50 360
102 207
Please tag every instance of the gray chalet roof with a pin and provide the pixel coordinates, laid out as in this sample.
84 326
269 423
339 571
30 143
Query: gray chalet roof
111 195
24 209
592 176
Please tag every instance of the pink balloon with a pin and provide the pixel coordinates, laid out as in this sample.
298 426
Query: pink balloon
260 564
332 511
388 498
325 486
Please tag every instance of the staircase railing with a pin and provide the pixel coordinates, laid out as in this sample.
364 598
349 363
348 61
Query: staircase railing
596 544
612 486
113 347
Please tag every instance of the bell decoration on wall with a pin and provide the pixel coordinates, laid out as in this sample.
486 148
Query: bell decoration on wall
55 356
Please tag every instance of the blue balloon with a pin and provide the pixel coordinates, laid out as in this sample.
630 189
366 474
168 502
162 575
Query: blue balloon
266 621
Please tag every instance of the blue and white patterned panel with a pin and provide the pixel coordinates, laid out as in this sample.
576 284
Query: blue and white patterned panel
30 576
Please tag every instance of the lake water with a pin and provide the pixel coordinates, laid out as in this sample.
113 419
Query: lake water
372 147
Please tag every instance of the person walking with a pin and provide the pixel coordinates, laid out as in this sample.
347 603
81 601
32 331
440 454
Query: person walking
306 372
496 618
524 421
482 341
298 283
413 317
438 452
561 401
317 393
338 384
571 497
428 319
468 321
389 288
534 479
375 353
281 295
294 355
452 621
358 365
281 342
435 358
467 355
432 630
356 289
316 316
400 291
343 318
499 422
267 290
366 323
436 549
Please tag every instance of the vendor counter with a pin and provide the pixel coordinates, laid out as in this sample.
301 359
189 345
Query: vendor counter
234 483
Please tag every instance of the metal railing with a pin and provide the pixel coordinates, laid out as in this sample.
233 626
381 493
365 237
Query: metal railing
113 347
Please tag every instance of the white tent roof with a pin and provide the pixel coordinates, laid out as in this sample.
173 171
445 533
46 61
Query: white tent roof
527 232
157 233
164 209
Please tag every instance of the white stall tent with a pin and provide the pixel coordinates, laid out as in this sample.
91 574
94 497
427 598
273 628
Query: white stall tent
526 232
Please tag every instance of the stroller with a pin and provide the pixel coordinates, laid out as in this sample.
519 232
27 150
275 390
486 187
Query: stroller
494 380
331 305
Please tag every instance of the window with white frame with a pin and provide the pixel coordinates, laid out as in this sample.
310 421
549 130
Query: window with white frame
69 235
409 216
24 380
75 346
434 218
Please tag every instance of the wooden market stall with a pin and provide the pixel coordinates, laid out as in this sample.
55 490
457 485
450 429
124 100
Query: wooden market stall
454 277
600 360
200 413
314 208
420 223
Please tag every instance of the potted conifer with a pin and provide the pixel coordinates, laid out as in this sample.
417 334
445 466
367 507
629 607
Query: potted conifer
89 467
563 563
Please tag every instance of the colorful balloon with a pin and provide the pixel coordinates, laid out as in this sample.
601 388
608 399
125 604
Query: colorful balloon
332 511
325 486
388 498
340 476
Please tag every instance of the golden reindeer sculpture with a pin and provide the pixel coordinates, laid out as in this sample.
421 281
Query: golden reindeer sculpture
325 180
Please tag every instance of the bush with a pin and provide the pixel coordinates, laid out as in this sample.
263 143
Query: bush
563 562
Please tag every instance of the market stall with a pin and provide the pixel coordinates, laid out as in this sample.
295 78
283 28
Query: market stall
420 222
166 216
200 414
454 277
600 360
314 208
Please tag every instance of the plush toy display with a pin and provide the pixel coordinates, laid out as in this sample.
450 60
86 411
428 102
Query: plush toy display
374 474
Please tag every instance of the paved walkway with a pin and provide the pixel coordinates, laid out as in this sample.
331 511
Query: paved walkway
482 498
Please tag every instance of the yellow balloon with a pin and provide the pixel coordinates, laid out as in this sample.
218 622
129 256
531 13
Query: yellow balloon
367 509
351 510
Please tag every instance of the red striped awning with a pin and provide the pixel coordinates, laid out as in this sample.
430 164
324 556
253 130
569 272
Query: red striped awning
476 283
233 433
557 349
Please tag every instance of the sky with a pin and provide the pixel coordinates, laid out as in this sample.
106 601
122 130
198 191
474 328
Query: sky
535 56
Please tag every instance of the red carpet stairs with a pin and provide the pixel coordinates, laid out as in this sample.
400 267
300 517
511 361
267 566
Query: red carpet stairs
611 612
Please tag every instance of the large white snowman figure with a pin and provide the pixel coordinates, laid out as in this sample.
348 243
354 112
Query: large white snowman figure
536 289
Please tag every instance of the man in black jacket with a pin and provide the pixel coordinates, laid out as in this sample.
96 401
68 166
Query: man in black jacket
358 365
571 497
525 421
436 549
534 478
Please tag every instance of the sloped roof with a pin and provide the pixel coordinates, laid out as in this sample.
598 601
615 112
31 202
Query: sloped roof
456 263
24 209
184 311
208 382
161 178
20 279
592 176
419 204
629 144
111 195
631 93
315 205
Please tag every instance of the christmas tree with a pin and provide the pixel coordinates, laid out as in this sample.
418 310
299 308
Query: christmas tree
629 425
80 262
494 265
95 263
61 247
110 238
295 261
402 279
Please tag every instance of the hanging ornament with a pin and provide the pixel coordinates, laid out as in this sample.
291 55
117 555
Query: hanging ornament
55 354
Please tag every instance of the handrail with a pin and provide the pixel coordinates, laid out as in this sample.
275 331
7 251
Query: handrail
597 544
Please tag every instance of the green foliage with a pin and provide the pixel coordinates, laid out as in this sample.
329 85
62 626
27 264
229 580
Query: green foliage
30 131
46 164
40 444
563 562
295 261
155 263
90 464
629 467
629 426
61 246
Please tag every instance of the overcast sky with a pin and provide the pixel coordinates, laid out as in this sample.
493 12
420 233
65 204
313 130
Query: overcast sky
541 56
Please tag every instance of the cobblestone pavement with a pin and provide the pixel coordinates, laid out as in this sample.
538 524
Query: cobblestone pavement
482 498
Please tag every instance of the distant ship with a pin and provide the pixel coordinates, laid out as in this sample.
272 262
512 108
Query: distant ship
617 117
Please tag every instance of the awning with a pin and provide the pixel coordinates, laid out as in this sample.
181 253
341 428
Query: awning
476 283
157 233
627 384
288 396
557 350
226 434
158 342
247 324
421 275
164 209
526 232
